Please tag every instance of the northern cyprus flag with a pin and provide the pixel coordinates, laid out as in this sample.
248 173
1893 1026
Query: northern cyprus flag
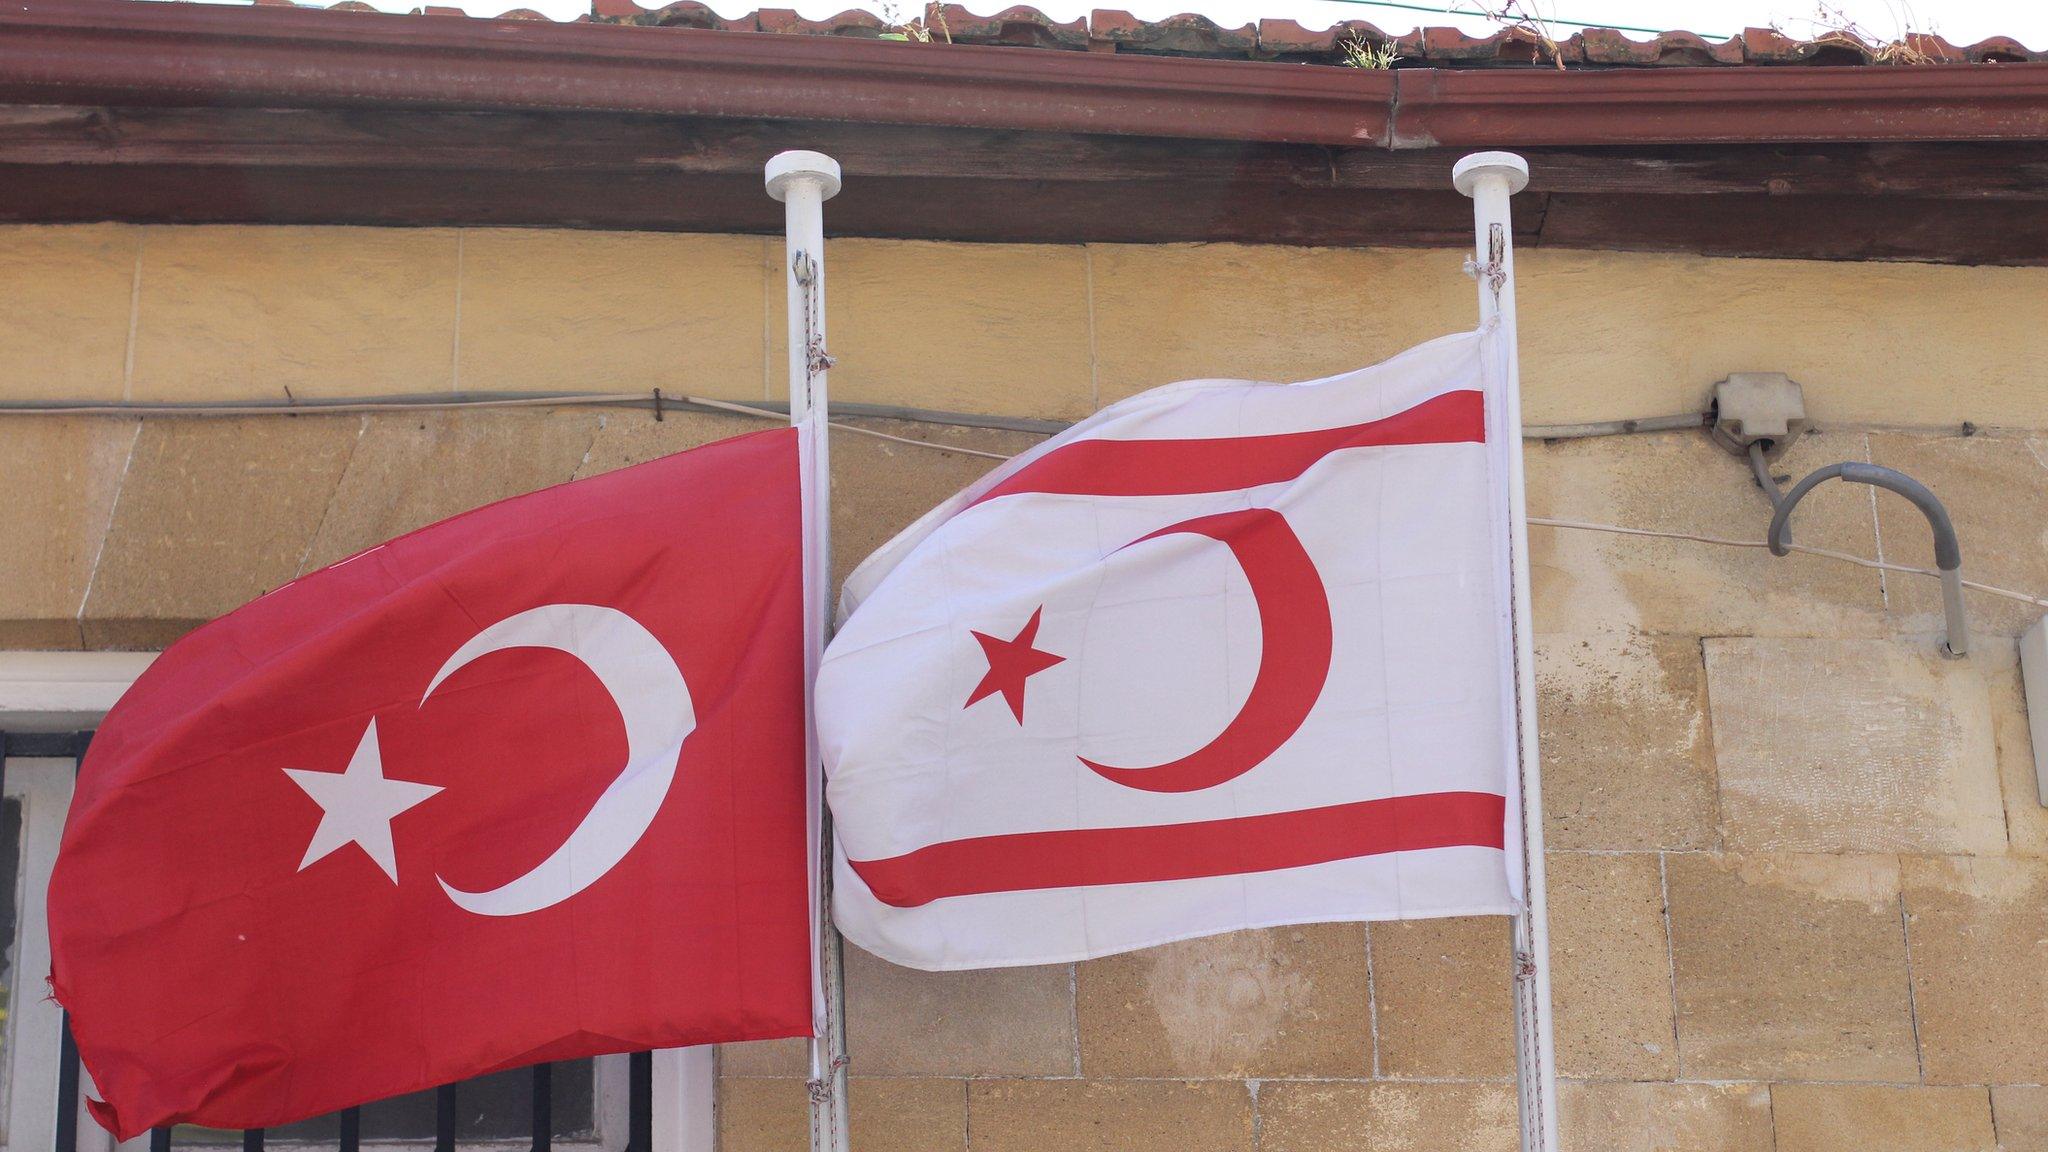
1225 655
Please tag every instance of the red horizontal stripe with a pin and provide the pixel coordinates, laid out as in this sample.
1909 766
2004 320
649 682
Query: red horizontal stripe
1227 463
1089 856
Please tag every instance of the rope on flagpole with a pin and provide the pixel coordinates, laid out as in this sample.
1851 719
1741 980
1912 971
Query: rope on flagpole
828 1080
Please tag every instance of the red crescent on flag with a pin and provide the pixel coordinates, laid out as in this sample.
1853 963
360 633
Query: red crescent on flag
1294 619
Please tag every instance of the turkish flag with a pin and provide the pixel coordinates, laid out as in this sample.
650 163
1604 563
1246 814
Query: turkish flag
524 785
1225 655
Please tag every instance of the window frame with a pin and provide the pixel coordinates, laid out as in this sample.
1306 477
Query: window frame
35 1024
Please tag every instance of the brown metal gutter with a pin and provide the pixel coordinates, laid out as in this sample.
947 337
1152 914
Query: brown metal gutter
1725 105
120 52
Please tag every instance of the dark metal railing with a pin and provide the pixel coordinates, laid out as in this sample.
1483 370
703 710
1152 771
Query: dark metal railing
640 1085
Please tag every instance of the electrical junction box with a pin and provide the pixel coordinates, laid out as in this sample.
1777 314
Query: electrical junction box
2034 675
1759 406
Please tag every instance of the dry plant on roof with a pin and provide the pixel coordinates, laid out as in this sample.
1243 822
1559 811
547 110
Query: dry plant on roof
1833 26
1522 14
924 28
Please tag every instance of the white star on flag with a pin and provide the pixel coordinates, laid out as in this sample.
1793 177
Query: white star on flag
357 805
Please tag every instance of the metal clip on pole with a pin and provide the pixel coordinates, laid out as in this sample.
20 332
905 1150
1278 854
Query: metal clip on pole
1948 554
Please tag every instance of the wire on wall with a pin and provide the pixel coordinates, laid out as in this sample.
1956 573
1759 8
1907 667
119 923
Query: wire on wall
777 411
1827 553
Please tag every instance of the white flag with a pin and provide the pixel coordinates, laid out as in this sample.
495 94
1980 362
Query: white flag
1225 655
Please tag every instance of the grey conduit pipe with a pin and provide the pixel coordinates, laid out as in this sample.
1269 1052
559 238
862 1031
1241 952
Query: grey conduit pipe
1948 554
1761 469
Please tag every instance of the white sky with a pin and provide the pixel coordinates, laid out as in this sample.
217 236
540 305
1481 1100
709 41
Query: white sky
1962 21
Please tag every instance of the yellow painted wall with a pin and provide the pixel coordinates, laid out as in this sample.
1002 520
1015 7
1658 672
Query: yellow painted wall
1799 869
172 313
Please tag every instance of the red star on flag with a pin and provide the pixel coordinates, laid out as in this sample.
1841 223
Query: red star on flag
1010 663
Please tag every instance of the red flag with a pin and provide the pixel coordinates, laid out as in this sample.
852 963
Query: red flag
523 785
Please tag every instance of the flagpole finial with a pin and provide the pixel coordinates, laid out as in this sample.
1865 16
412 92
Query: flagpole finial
1466 173
785 169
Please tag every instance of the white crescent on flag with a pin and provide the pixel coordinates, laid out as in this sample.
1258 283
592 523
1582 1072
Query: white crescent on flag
1225 655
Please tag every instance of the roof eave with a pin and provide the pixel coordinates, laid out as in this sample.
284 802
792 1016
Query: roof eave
121 52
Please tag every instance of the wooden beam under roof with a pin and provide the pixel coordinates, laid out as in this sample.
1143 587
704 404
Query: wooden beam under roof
1946 202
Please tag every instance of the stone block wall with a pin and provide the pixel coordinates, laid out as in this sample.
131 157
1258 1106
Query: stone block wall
1798 885
1799 870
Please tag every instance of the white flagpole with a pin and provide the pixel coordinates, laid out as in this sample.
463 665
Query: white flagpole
803 181
1490 178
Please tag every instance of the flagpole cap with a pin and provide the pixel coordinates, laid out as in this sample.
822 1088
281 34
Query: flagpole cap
1465 173
786 168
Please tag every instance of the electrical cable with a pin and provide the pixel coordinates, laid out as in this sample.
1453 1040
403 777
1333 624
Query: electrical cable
769 411
1761 469
556 400
1608 428
750 410
332 407
1613 427
455 402
1728 542
1679 422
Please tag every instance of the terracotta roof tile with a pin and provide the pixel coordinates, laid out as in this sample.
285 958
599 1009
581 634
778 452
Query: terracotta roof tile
1184 35
680 14
1770 46
1020 26
1190 34
1672 49
1514 45
854 22
2001 49
1284 37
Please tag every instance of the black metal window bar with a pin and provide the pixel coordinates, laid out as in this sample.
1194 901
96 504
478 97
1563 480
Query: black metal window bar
640 1076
